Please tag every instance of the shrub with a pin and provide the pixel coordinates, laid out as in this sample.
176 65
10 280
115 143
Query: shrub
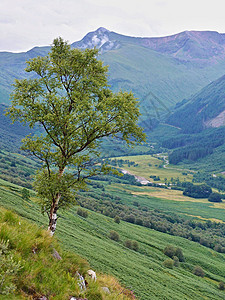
198 271
215 197
168 263
172 252
139 222
8 268
130 219
135 245
169 251
113 235
25 194
218 248
221 286
128 244
176 261
81 212
117 219
179 254
131 245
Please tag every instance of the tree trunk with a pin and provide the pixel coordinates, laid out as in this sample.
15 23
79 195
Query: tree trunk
53 211
52 219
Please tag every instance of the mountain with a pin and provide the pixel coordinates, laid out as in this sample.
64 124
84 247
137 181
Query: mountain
199 140
204 110
160 71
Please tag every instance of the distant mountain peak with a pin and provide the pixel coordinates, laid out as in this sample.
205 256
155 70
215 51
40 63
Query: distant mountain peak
100 39
102 30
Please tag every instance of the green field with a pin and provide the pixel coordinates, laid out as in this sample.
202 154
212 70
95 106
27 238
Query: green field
149 165
153 199
141 271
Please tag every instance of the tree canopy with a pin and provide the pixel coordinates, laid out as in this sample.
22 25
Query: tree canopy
69 98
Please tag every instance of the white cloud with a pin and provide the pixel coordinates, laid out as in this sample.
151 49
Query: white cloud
27 23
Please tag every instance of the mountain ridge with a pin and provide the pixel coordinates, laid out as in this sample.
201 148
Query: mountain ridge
103 36
172 67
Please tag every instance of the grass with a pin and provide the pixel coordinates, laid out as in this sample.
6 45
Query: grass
167 194
142 271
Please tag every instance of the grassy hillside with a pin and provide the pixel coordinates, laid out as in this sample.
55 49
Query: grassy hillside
39 267
143 270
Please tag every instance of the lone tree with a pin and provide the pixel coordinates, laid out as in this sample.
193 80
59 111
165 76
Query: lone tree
69 98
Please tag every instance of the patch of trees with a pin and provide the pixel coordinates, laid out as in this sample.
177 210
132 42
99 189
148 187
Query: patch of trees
172 252
194 146
154 177
212 138
189 153
122 178
217 182
175 255
197 191
121 162
215 197
133 245
82 213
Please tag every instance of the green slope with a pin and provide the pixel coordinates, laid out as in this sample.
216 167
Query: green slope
196 114
141 271
142 70
200 122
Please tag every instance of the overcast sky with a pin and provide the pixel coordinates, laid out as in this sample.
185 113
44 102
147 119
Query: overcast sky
28 23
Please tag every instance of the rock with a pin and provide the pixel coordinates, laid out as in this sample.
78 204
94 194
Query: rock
92 274
81 281
73 298
56 255
106 290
